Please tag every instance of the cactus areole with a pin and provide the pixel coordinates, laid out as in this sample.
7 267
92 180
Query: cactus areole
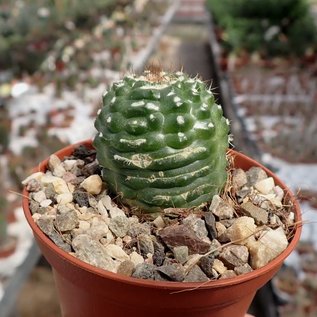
162 141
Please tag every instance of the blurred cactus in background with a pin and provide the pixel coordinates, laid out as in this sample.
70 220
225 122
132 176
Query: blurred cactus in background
271 27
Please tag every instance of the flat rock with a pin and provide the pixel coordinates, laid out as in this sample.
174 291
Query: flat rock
234 255
66 221
220 208
92 184
242 230
159 222
174 272
92 252
258 214
196 275
269 245
182 235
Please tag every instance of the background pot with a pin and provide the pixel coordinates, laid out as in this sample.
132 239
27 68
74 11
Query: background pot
85 290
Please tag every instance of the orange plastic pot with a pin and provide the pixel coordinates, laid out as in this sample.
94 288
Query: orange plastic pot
87 291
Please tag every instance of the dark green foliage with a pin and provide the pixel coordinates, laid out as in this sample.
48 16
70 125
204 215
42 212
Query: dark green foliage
271 27
162 143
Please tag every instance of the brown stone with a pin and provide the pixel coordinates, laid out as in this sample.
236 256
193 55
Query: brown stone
182 235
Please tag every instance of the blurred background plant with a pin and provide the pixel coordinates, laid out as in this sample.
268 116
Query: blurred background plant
29 28
270 27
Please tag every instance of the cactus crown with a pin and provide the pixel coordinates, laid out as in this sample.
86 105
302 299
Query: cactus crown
162 141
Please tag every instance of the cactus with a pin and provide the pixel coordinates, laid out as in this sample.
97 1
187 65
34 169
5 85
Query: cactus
162 141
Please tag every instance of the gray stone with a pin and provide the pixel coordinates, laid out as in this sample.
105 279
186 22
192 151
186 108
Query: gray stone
196 275
159 253
206 264
33 185
182 235
46 224
50 192
34 207
138 228
258 214
81 198
126 268
210 222
234 255
144 271
66 221
243 269
181 254
227 222
239 178
255 174
197 225
91 168
119 226
220 208
59 241
92 252
174 272
145 244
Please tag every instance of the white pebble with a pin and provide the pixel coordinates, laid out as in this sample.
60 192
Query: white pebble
39 196
38 176
45 203
64 199
265 186
136 258
116 252
92 184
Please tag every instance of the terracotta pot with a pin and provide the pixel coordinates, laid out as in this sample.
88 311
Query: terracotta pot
85 290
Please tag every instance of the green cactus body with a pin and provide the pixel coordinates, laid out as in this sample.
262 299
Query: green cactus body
162 141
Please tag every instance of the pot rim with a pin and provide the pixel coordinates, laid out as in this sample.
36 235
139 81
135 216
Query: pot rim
173 286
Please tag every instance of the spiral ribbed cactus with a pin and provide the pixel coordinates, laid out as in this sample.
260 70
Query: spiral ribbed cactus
162 141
